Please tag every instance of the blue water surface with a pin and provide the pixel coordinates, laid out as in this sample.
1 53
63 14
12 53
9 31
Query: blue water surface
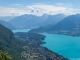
68 46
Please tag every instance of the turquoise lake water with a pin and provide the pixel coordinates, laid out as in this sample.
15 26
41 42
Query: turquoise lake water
67 46
21 30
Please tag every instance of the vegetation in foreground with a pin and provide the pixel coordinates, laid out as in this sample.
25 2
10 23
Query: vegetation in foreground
5 56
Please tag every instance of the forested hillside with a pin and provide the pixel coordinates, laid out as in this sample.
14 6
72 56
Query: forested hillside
10 44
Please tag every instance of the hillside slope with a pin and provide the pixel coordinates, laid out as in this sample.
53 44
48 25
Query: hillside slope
10 44
8 25
69 25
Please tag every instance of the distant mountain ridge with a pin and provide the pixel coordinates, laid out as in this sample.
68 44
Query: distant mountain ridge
32 21
6 18
69 25
6 24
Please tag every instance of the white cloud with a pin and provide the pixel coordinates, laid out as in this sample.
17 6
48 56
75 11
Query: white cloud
11 11
54 9
38 9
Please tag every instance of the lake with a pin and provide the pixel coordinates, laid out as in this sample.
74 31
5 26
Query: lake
21 30
67 46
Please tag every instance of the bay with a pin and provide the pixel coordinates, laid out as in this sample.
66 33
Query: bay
67 46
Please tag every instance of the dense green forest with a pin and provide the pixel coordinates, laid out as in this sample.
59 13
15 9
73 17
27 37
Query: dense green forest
10 44
25 46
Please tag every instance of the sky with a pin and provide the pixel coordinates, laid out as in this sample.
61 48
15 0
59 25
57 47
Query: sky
39 7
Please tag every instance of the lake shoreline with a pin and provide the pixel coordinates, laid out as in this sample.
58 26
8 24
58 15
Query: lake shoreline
61 43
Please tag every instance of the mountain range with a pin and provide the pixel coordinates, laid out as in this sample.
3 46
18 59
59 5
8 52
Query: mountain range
69 25
6 18
6 24
32 21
